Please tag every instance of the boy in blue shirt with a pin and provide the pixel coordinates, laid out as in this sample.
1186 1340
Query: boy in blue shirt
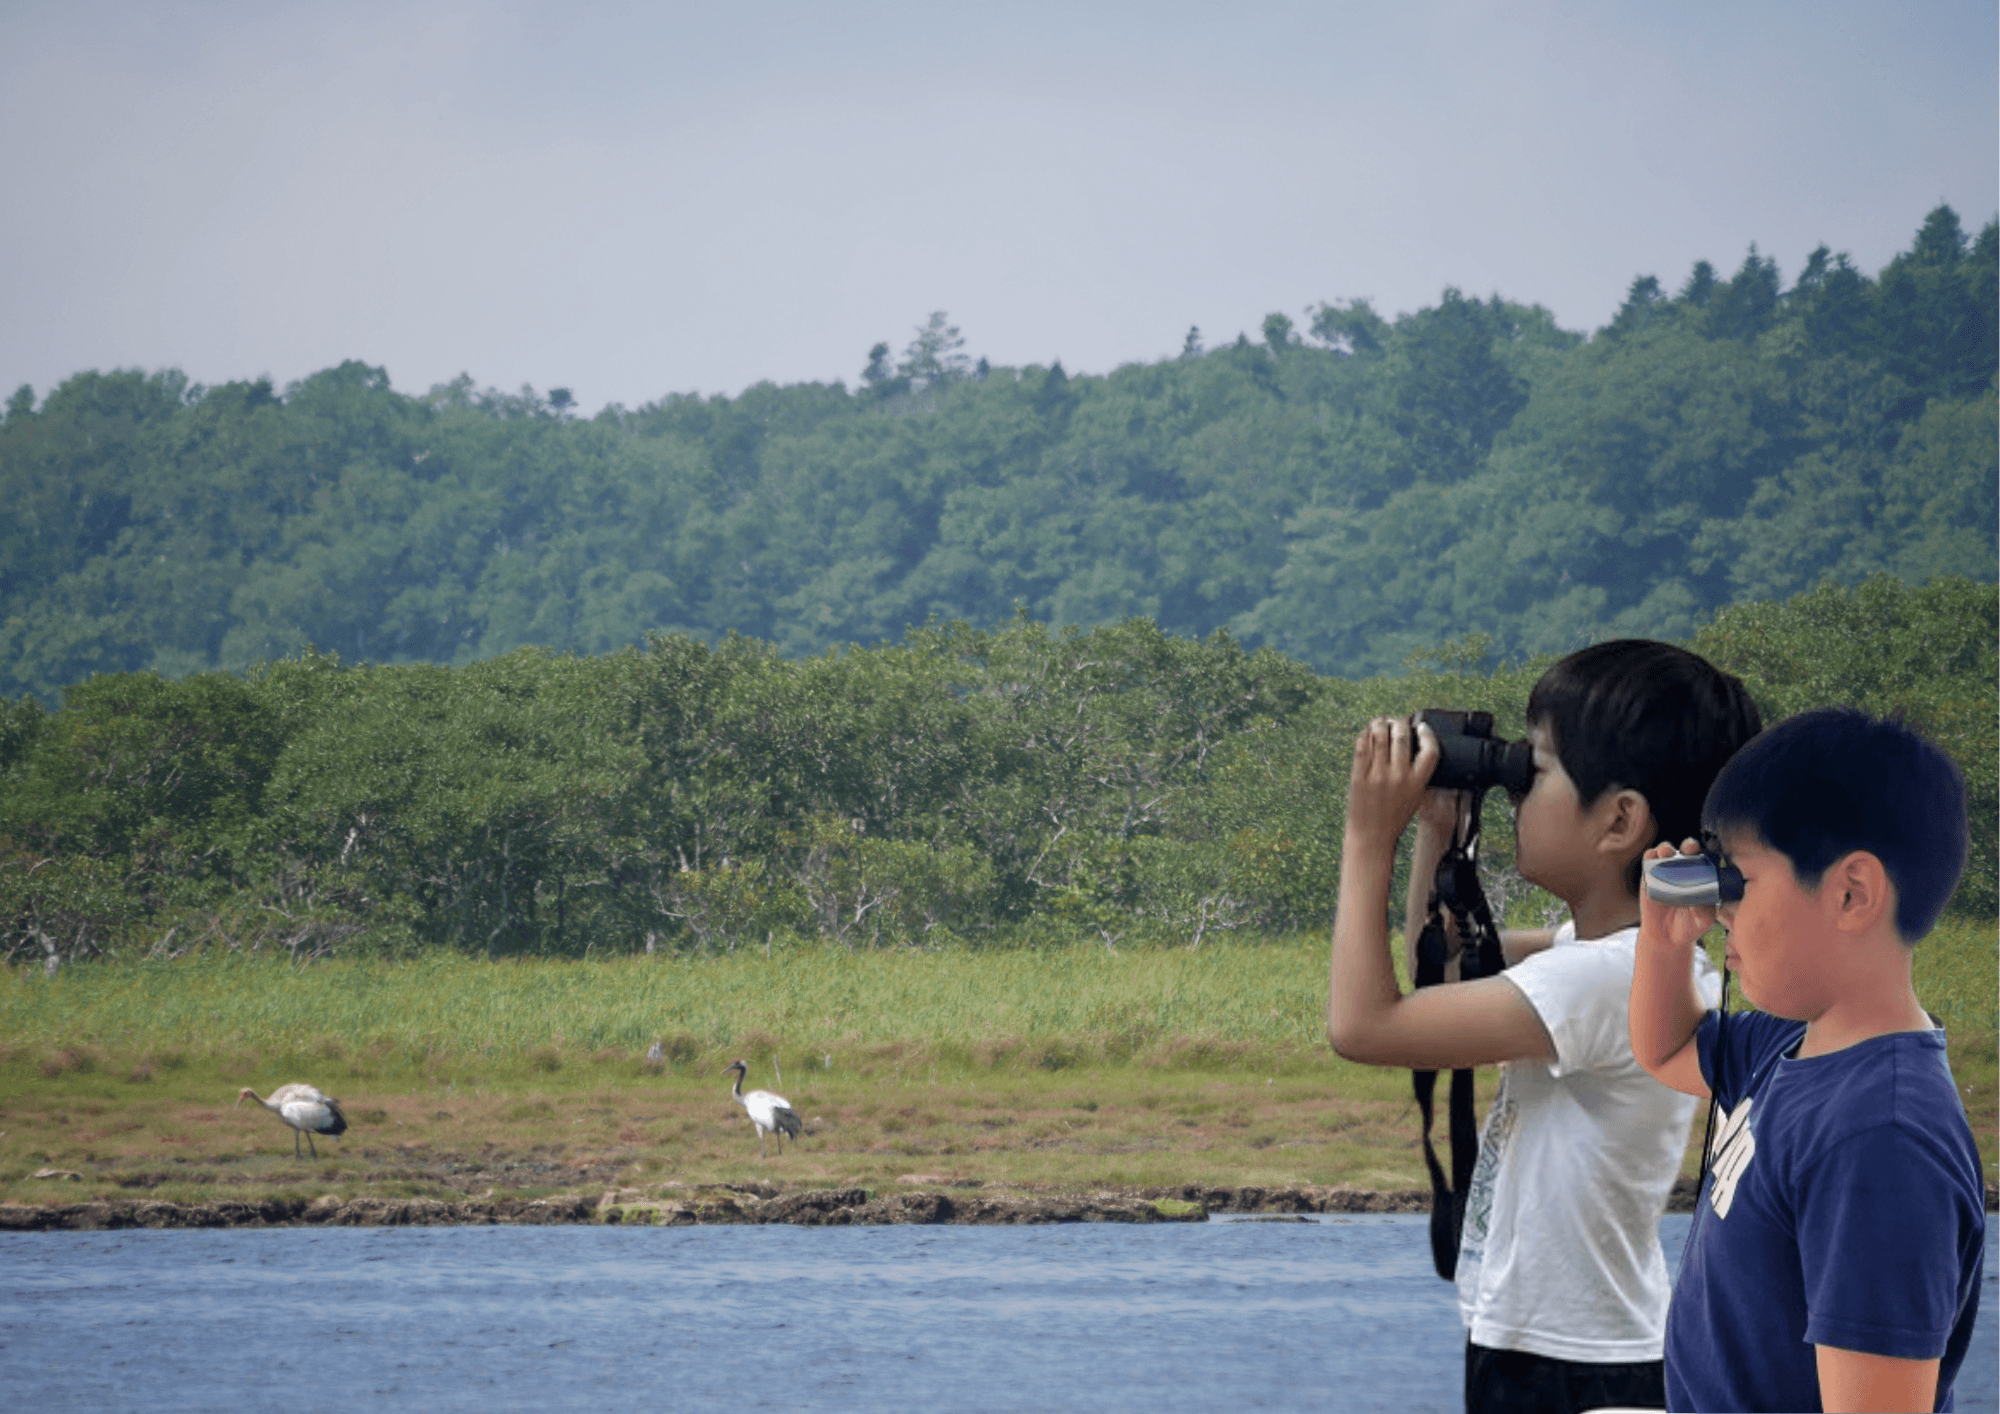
1836 1252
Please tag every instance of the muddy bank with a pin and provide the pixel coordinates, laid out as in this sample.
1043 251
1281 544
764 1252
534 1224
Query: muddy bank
677 1205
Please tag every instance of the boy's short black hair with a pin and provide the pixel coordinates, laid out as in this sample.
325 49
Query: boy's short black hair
1644 716
1818 786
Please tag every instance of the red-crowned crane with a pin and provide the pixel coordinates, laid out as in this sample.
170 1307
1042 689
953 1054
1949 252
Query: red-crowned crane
305 1109
772 1114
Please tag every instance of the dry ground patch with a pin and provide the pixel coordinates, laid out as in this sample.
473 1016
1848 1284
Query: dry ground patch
122 1125
173 1131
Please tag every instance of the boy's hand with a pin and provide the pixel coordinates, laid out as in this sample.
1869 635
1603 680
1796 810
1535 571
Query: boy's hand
1666 1009
1388 783
1438 815
1664 924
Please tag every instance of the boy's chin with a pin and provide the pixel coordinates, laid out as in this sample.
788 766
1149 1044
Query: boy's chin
1769 1005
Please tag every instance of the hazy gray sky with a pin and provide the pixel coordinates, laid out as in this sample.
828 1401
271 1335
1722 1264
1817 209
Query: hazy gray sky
637 199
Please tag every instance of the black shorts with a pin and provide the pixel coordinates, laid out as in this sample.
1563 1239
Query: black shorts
1520 1382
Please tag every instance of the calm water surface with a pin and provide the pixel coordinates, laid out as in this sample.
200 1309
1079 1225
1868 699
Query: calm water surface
1339 1313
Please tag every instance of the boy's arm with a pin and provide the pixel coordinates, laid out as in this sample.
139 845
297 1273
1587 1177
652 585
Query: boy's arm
1368 1018
1881 1222
1856 1380
1665 1008
1519 943
1437 822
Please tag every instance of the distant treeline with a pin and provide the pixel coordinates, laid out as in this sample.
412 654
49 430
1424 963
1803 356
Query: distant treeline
1346 492
966 787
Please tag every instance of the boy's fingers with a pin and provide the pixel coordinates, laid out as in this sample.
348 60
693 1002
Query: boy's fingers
1368 749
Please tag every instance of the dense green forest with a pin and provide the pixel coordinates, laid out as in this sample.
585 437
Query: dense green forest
1345 493
965 787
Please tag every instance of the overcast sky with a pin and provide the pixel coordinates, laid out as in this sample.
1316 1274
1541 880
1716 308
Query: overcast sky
636 199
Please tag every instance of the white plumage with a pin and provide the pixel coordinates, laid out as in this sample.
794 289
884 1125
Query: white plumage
772 1114
307 1110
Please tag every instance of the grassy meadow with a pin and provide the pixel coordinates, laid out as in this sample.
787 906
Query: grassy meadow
1069 1067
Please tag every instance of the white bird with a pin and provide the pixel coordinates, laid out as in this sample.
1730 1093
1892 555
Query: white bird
305 1109
772 1114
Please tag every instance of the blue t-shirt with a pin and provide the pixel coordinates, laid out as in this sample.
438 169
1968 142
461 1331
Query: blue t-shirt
1844 1206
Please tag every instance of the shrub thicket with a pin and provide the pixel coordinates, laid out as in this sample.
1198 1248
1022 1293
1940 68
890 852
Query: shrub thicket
1024 785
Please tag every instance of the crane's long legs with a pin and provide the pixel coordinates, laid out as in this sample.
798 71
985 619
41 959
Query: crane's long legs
310 1145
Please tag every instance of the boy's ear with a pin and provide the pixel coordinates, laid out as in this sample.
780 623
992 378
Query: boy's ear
1856 892
1626 821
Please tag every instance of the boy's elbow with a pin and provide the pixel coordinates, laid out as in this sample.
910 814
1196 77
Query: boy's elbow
1334 1036
1674 1066
1651 1059
1351 1052
1349 1040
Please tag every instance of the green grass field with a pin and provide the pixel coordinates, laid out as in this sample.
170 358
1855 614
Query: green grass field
1046 1008
1050 1008
1067 1066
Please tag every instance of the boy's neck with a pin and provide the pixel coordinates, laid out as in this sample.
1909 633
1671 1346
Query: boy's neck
1849 1023
1870 993
1605 909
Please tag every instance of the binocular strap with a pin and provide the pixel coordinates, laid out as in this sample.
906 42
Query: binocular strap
1448 1198
1456 890
1708 1128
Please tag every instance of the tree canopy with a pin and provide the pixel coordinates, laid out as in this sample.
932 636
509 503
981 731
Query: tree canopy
1347 495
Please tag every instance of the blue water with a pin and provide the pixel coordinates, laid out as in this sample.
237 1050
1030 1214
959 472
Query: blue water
1338 1313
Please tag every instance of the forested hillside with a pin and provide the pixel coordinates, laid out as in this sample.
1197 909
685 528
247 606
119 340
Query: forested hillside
1346 491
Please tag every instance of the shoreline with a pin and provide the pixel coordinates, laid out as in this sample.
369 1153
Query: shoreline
967 1203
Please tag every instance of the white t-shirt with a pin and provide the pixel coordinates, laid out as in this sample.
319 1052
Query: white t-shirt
1561 1253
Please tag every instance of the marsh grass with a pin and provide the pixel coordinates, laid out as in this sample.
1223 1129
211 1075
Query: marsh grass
1049 1008
1068 1067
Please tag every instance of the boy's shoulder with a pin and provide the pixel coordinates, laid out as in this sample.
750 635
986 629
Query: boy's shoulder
1598 967
1903 1077
1891 1089
1568 975
1581 990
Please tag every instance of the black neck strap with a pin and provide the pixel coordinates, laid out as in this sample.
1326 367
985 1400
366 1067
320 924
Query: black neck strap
1455 891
